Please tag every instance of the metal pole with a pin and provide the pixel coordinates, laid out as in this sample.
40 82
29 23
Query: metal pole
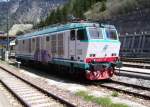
7 47
7 26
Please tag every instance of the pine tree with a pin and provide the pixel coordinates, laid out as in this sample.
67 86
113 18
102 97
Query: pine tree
64 14
52 18
103 6
75 8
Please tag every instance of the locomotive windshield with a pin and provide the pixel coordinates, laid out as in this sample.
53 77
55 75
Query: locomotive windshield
111 34
95 33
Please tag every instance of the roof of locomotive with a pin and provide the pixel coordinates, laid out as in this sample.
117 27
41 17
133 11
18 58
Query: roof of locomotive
59 28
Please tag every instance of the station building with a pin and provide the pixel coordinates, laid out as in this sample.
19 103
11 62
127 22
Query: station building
3 42
3 39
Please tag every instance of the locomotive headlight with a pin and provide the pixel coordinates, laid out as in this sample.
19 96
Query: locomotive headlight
87 71
92 55
113 54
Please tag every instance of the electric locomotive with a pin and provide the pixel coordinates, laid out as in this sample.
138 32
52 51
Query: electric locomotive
86 49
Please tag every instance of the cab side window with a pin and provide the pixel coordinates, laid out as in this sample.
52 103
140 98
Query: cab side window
72 35
81 34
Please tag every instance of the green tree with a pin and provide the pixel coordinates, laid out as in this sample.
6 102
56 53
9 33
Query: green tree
64 13
41 24
59 16
76 8
51 19
103 6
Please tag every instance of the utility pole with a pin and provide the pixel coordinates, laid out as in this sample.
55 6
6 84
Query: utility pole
7 47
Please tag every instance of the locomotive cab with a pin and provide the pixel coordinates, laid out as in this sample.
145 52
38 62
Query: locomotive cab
98 47
102 43
103 52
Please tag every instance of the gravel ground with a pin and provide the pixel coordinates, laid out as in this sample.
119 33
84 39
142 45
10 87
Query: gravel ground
125 98
74 87
57 91
98 91
136 81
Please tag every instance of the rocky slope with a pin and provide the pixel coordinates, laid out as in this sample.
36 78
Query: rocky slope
26 11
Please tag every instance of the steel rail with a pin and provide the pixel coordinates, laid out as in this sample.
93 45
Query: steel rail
15 95
133 74
140 60
108 85
68 104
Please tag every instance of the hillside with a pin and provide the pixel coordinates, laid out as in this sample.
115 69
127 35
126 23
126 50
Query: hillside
72 10
114 8
129 16
94 10
26 11
46 12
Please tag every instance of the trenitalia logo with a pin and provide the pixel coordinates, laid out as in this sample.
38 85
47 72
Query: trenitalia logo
105 48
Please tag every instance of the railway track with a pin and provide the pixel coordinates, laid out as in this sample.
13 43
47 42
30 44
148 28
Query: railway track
28 95
62 98
136 60
136 65
133 74
138 91
134 90
126 87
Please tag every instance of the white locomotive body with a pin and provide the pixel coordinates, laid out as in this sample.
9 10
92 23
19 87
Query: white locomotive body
90 48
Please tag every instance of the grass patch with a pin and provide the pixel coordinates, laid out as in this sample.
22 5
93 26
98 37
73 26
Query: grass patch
89 98
118 105
81 93
85 95
103 101
115 94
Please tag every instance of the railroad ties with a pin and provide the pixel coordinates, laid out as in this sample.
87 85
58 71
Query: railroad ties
25 93
136 62
135 68
128 88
